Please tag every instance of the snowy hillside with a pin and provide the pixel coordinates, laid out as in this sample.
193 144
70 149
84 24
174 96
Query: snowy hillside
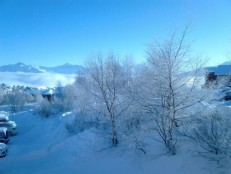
44 146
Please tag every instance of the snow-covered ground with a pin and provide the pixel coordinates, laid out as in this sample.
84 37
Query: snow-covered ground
44 146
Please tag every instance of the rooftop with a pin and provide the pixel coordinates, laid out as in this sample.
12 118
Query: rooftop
220 70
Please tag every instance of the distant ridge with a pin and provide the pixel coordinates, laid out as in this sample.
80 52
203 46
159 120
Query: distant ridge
19 67
65 69
226 63
62 69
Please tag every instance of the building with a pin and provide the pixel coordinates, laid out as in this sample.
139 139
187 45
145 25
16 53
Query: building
219 75
47 93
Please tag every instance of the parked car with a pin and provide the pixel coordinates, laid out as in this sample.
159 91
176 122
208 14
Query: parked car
4 118
3 150
11 127
4 135
228 96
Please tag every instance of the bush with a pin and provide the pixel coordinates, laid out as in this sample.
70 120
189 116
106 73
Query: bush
43 108
58 105
212 132
79 124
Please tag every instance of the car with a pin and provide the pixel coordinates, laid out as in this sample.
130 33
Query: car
228 96
3 150
4 118
4 135
11 127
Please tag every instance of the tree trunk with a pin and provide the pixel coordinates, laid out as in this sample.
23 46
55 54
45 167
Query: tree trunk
170 145
114 133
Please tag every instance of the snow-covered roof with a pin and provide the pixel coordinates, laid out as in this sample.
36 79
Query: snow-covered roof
49 91
220 70
32 91
45 91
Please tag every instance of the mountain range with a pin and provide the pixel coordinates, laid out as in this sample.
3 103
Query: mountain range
62 69
37 76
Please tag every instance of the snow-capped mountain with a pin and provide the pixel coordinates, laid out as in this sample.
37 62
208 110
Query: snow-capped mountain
62 69
19 67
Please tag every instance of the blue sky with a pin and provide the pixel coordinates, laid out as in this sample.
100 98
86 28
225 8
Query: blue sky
54 32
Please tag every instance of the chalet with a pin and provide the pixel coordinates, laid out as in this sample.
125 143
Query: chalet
219 75
47 93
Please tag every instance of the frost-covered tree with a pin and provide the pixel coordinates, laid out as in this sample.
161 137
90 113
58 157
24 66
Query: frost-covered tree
43 107
69 97
211 132
1 96
17 99
169 86
107 83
